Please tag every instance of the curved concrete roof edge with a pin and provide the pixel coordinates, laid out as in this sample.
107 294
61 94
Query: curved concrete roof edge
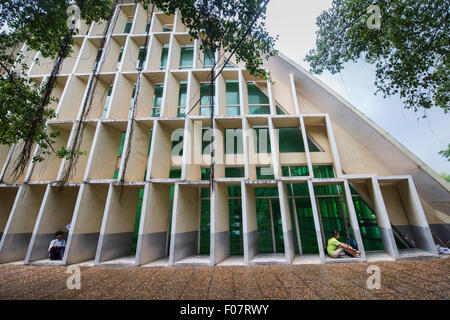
422 165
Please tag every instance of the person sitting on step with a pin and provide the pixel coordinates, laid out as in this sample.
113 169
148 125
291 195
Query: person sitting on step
335 248
57 247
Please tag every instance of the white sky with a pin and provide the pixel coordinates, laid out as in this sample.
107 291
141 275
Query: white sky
294 21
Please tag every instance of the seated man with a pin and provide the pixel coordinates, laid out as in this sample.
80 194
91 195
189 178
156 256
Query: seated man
57 246
336 248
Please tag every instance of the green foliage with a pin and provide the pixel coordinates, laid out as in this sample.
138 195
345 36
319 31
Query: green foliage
446 153
446 176
222 24
410 50
42 25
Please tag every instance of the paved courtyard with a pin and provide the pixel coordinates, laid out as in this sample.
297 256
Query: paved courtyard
428 279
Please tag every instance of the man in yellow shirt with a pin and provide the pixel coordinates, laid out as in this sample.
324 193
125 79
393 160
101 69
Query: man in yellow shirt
335 248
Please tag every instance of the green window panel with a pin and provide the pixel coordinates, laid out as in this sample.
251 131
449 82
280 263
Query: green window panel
149 142
128 26
137 222
205 99
270 229
332 211
232 98
368 226
306 226
266 192
116 174
297 189
168 28
187 56
107 101
235 220
206 140
235 172
261 140
208 58
264 173
175 174
147 27
294 171
290 140
234 191
258 103
205 229
157 100
177 142
164 56
119 59
141 58
233 142
169 230
182 100
279 110
205 173
323 172
97 58
122 143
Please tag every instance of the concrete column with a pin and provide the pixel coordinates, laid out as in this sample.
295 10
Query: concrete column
416 216
54 215
288 234
383 222
154 223
185 227
249 225
86 223
220 225
316 221
354 220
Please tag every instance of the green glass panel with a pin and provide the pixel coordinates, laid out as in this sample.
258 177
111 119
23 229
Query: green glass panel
323 172
128 26
187 56
264 173
290 140
206 140
175 174
279 110
233 111
177 142
205 173
294 171
120 54
167 29
157 100
368 225
233 142
297 189
262 140
164 56
116 174
182 95
236 233
208 57
266 192
312 147
205 229
141 57
232 90
205 94
137 221
234 191
306 225
149 142
259 109
235 172
122 142
264 219
255 95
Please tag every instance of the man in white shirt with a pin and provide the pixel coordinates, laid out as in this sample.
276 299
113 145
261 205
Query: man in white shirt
57 247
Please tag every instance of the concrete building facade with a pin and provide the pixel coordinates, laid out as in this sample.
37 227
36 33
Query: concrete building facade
293 161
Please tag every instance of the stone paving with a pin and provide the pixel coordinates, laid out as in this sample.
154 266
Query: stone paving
429 279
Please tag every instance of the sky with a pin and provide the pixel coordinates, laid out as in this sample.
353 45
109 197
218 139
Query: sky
295 23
